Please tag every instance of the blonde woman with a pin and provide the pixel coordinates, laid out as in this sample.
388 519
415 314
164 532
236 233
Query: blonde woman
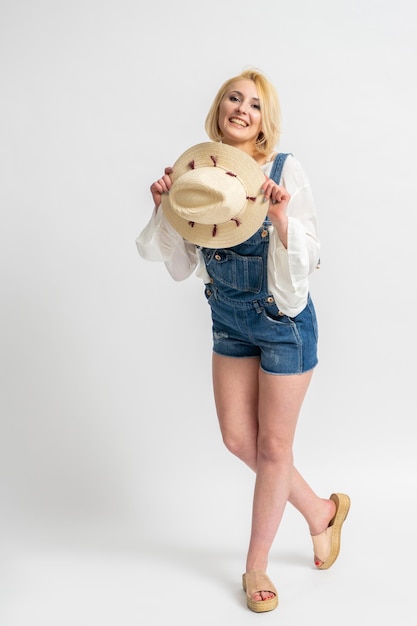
264 323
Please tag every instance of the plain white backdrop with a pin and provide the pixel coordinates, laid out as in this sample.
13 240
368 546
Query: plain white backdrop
118 503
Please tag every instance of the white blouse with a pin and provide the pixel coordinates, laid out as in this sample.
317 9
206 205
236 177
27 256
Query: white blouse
288 268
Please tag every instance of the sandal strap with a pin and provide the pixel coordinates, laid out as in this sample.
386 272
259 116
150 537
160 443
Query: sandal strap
322 544
257 581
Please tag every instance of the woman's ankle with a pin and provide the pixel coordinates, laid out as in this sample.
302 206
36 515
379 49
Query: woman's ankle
322 517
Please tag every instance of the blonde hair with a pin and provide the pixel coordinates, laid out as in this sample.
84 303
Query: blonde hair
270 110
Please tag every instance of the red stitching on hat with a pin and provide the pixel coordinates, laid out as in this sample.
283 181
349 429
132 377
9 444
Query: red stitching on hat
191 164
214 231
191 224
214 159
236 221
253 198
231 174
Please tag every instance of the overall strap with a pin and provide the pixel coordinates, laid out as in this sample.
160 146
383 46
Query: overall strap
278 164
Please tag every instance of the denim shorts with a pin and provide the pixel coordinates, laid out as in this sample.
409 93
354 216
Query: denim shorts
285 345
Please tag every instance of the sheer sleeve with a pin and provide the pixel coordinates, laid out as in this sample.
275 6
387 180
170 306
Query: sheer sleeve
296 262
159 241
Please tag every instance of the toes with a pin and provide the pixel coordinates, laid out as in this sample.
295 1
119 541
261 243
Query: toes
267 595
259 596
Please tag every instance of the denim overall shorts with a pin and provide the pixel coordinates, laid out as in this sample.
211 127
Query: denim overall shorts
246 320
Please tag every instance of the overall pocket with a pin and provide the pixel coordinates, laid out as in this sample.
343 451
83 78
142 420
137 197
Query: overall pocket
243 273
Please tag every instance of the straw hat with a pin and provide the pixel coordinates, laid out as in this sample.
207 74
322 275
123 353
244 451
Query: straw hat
215 200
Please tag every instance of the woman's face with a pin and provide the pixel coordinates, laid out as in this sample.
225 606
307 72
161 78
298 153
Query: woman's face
240 119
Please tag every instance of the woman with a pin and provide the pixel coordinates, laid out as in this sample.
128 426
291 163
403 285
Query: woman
264 329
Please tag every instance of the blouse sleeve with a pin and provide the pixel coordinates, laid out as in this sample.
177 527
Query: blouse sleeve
159 241
302 254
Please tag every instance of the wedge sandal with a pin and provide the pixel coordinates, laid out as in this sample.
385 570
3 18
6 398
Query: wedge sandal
327 543
255 582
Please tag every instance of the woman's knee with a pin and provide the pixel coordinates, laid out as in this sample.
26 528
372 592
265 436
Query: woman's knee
244 447
274 450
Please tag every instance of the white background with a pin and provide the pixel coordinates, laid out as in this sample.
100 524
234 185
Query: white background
119 504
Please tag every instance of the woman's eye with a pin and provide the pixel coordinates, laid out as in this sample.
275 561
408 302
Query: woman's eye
234 98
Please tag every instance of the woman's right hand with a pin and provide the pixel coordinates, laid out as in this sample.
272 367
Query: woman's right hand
160 186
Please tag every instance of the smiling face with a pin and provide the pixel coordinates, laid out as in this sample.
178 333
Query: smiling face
240 119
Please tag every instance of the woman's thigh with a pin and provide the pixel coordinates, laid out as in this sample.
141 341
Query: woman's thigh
236 394
280 402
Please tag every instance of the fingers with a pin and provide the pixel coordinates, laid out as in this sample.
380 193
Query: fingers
275 193
163 184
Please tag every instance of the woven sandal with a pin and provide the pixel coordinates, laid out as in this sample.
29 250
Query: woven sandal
327 543
254 582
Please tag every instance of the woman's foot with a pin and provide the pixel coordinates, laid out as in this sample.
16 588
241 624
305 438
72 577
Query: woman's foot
322 520
261 594
327 542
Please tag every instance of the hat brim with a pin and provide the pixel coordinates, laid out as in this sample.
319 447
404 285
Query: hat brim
250 175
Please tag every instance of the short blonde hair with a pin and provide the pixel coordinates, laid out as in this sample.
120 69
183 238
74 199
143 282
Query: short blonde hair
270 110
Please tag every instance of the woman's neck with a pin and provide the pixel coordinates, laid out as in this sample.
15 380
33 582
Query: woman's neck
252 150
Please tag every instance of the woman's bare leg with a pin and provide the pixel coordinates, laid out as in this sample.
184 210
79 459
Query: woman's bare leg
236 393
257 415
316 511
280 401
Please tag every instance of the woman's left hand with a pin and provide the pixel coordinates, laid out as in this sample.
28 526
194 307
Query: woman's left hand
278 198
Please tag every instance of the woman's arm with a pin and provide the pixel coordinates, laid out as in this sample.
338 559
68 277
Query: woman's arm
298 254
159 241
